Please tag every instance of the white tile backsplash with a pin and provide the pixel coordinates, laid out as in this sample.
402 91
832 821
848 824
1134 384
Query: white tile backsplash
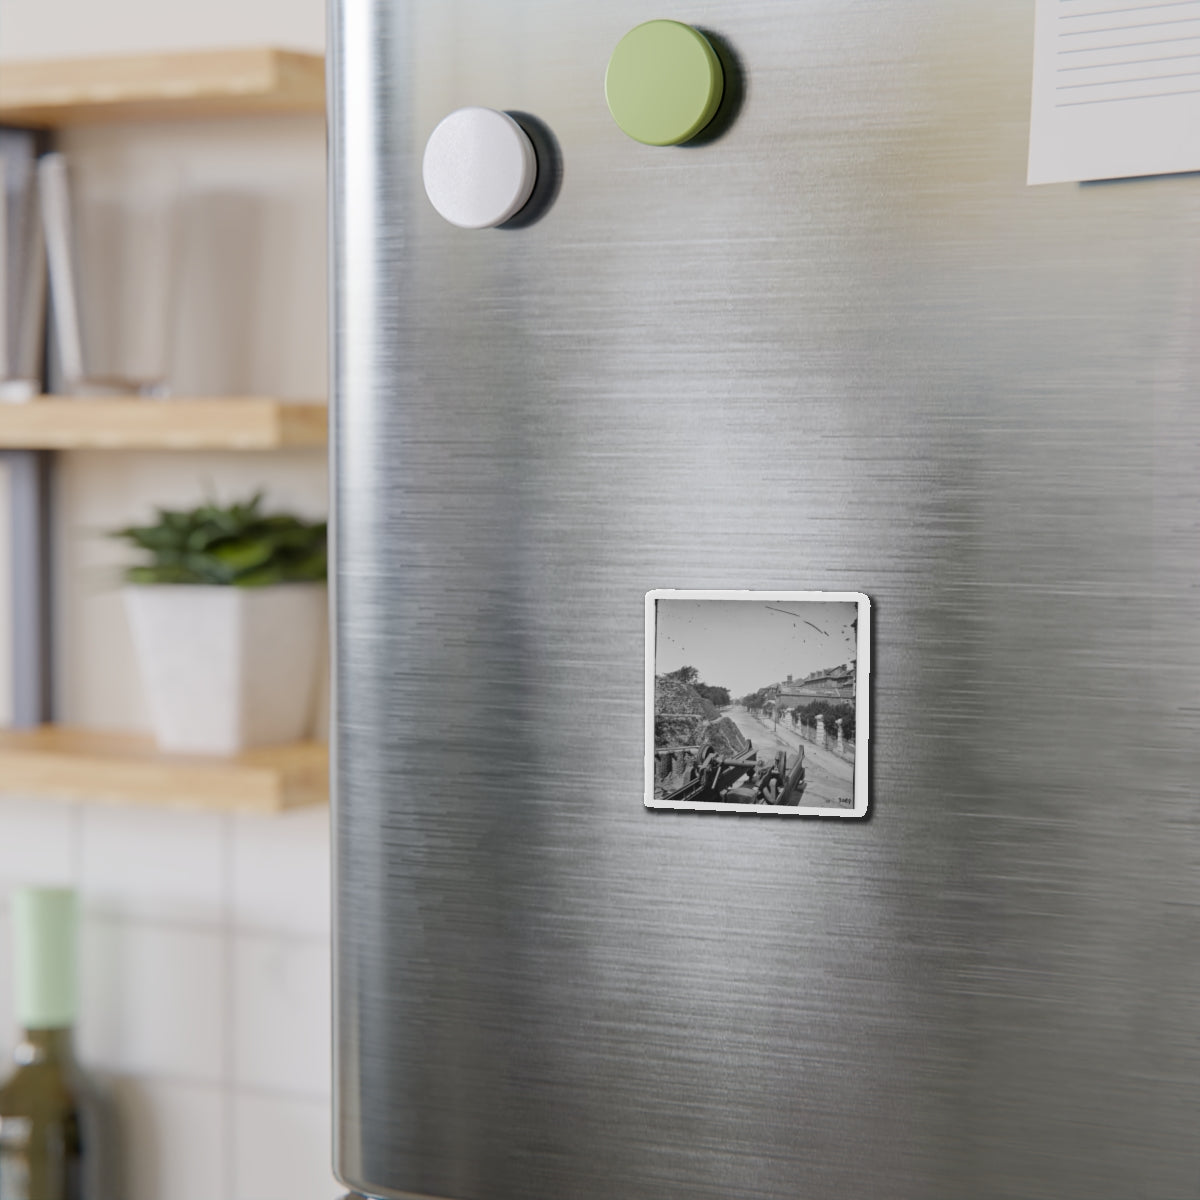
154 864
154 1000
281 1014
205 976
171 1141
38 841
282 1150
205 980
281 872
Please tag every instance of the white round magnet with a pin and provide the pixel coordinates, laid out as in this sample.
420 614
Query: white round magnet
479 168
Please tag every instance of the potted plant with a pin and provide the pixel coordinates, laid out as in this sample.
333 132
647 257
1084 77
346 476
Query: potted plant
228 622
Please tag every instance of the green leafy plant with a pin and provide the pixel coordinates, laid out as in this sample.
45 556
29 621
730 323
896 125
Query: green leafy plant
238 546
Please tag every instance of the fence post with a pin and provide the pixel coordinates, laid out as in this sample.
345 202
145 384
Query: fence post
841 740
820 738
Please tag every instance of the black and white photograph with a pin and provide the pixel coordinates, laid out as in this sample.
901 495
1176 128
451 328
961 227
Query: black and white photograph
756 702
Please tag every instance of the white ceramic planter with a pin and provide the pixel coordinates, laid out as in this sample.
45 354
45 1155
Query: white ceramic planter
228 668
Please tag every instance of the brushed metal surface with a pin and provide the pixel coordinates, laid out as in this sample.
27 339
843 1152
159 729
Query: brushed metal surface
842 346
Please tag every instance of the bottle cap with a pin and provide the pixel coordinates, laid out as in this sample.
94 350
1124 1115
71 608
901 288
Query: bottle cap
44 928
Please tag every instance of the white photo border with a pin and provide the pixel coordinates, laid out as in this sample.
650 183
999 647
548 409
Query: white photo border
862 702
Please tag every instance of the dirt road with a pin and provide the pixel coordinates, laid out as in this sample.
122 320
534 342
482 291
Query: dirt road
830 778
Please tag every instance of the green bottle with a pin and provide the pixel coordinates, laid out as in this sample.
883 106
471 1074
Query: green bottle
42 1123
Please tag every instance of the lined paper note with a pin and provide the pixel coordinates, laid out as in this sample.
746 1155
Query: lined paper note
1116 89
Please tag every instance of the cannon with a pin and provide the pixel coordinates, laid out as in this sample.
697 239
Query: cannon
741 779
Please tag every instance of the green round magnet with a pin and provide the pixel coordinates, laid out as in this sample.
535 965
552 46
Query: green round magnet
664 83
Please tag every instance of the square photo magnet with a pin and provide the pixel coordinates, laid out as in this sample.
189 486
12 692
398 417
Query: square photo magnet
757 702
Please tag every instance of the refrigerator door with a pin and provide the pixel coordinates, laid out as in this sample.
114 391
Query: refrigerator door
840 346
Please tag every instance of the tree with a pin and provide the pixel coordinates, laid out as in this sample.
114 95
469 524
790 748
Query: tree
687 675
756 700
715 695
830 711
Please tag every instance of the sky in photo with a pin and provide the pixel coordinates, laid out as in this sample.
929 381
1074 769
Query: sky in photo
746 644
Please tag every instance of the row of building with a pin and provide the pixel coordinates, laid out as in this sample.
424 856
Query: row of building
833 683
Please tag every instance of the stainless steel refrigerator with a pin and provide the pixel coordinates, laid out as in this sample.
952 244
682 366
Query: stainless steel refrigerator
834 342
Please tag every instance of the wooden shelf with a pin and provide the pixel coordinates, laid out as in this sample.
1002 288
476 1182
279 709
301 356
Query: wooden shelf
77 764
229 423
215 83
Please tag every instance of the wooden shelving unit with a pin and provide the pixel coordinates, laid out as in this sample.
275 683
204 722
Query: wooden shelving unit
79 764
83 765
218 83
228 423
